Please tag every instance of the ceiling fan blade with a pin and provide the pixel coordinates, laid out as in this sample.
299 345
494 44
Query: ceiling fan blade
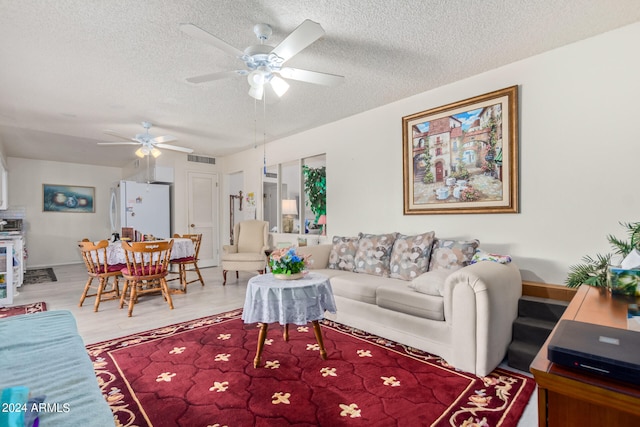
174 148
112 133
301 37
200 34
118 143
215 76
163 139
316 77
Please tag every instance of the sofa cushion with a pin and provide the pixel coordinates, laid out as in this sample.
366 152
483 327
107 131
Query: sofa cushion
44 352
452 254
246 256
374 251
360 287
318 256
431 282
410 255
343 253
403 299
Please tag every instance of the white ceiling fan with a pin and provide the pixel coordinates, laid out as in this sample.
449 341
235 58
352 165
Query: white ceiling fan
263 62
148 143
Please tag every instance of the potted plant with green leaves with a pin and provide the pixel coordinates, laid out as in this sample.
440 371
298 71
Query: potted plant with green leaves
593 270
315 188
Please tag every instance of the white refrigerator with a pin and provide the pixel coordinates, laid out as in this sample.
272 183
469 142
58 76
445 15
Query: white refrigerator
144 207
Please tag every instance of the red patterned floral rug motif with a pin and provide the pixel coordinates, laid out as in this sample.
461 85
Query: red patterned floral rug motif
200 373
36 307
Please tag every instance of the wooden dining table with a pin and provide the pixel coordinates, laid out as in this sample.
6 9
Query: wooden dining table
182 248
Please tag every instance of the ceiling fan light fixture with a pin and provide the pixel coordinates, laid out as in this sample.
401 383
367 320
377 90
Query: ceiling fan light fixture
147 143
256 78
256 92
280 87
262 60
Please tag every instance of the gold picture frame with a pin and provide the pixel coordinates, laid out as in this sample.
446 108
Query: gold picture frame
462 157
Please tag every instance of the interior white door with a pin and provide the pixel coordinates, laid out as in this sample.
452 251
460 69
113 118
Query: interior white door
202 199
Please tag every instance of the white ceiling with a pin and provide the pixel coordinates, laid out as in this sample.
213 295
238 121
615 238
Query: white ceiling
70 69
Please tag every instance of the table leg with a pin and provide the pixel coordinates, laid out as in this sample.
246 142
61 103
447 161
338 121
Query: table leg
261 337
318 334
285 333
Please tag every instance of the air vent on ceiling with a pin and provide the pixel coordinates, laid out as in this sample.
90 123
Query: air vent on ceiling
201 159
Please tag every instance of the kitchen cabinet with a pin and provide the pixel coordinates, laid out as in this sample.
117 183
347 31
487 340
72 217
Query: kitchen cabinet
6 272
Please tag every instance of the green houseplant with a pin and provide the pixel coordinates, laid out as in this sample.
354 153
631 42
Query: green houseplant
315 188
593 270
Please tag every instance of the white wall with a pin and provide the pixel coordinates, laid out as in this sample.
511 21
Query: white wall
52 236
579 151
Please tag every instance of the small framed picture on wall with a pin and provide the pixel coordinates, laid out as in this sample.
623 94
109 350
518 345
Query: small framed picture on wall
68 198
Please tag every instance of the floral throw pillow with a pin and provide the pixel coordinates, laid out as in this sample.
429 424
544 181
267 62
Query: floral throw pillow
374 251
410 255
343 253
452 254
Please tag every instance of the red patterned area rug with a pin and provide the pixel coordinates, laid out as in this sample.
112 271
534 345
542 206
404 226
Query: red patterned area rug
200 373
36 307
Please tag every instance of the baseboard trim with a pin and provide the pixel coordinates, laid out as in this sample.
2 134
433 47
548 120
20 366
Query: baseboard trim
545 290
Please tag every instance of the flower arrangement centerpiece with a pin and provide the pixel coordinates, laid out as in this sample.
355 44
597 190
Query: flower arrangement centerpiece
287 264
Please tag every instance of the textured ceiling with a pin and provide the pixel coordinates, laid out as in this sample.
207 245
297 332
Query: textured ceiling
71 69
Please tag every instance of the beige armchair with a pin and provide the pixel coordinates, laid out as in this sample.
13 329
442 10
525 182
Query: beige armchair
251 240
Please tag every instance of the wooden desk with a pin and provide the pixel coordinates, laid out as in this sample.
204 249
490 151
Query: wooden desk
571 398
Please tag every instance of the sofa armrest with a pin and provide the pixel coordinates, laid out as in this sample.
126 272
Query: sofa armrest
229 249
319 255
480 304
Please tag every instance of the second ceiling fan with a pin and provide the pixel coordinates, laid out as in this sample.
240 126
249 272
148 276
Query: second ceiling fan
148 143
264 63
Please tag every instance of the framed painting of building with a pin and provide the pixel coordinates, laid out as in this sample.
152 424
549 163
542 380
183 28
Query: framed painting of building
68 198
462 157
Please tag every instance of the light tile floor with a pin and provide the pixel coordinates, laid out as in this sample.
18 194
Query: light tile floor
152 311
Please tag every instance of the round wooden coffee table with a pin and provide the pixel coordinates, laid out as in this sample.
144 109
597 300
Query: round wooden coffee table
270 300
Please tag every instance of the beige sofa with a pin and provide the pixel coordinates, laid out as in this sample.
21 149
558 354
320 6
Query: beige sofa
465 319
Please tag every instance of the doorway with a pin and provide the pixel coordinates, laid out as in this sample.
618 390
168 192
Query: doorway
202 199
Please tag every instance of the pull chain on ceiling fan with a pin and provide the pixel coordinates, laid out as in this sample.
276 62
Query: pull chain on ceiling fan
264 63
264 132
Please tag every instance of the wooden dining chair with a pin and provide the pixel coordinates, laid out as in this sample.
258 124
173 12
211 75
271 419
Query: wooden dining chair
190 261
146 271
94 256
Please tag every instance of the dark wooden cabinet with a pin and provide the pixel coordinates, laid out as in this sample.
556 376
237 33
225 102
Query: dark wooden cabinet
567 397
